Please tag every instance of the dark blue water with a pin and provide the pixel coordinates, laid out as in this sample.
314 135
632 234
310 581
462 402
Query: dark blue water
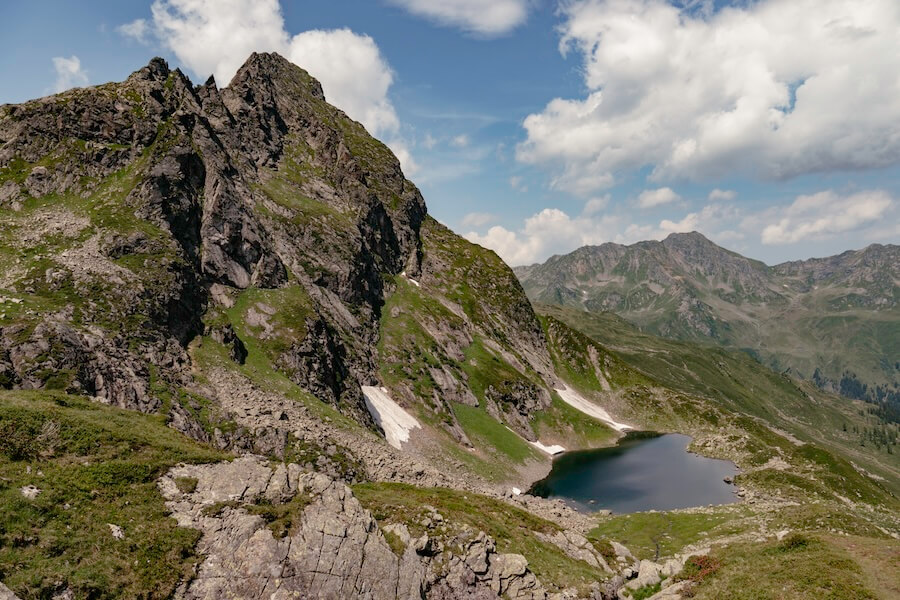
640 473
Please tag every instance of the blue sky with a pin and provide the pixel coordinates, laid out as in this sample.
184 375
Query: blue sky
534 127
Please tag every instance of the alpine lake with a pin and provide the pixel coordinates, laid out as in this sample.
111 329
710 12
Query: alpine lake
644 471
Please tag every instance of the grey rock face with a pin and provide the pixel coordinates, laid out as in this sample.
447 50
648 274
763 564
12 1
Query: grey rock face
676 591
648 574
6 593
578 547
335 550
89 363
515 402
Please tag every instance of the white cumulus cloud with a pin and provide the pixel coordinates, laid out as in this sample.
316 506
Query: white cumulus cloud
657 197
821 215
770 89
861 217
550 231
354 75
482 17
69 73
137 30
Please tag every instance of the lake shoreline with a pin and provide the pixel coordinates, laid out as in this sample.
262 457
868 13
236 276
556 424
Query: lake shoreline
644 470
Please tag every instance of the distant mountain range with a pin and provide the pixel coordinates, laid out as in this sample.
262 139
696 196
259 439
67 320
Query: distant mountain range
835 320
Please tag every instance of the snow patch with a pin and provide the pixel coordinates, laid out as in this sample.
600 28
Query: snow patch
410 279
551 450
390 416
579 402
516 491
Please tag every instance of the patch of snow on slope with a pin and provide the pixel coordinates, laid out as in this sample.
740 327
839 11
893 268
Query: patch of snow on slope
551 450
410 279
390 416
579 402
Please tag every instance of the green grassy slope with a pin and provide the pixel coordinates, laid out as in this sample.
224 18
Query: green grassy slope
736 382
94 466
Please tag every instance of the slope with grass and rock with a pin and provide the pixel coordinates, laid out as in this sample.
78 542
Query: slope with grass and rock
242 265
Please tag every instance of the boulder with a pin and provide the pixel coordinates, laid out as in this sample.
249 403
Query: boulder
648 574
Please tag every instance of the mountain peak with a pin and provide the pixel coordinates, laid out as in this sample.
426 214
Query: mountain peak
270 67
692 236
156 70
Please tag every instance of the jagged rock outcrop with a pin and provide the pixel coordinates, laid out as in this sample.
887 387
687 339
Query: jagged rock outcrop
514 402
332 549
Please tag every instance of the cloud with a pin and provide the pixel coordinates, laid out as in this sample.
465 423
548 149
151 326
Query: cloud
825 214
404 155
867 215
720 195
595 205
708 219
69 73
552 231
658 197
481 17
547 232
477 219
770 89
430 141
354 75
217 36
136 30
517 182
582 183
460 141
